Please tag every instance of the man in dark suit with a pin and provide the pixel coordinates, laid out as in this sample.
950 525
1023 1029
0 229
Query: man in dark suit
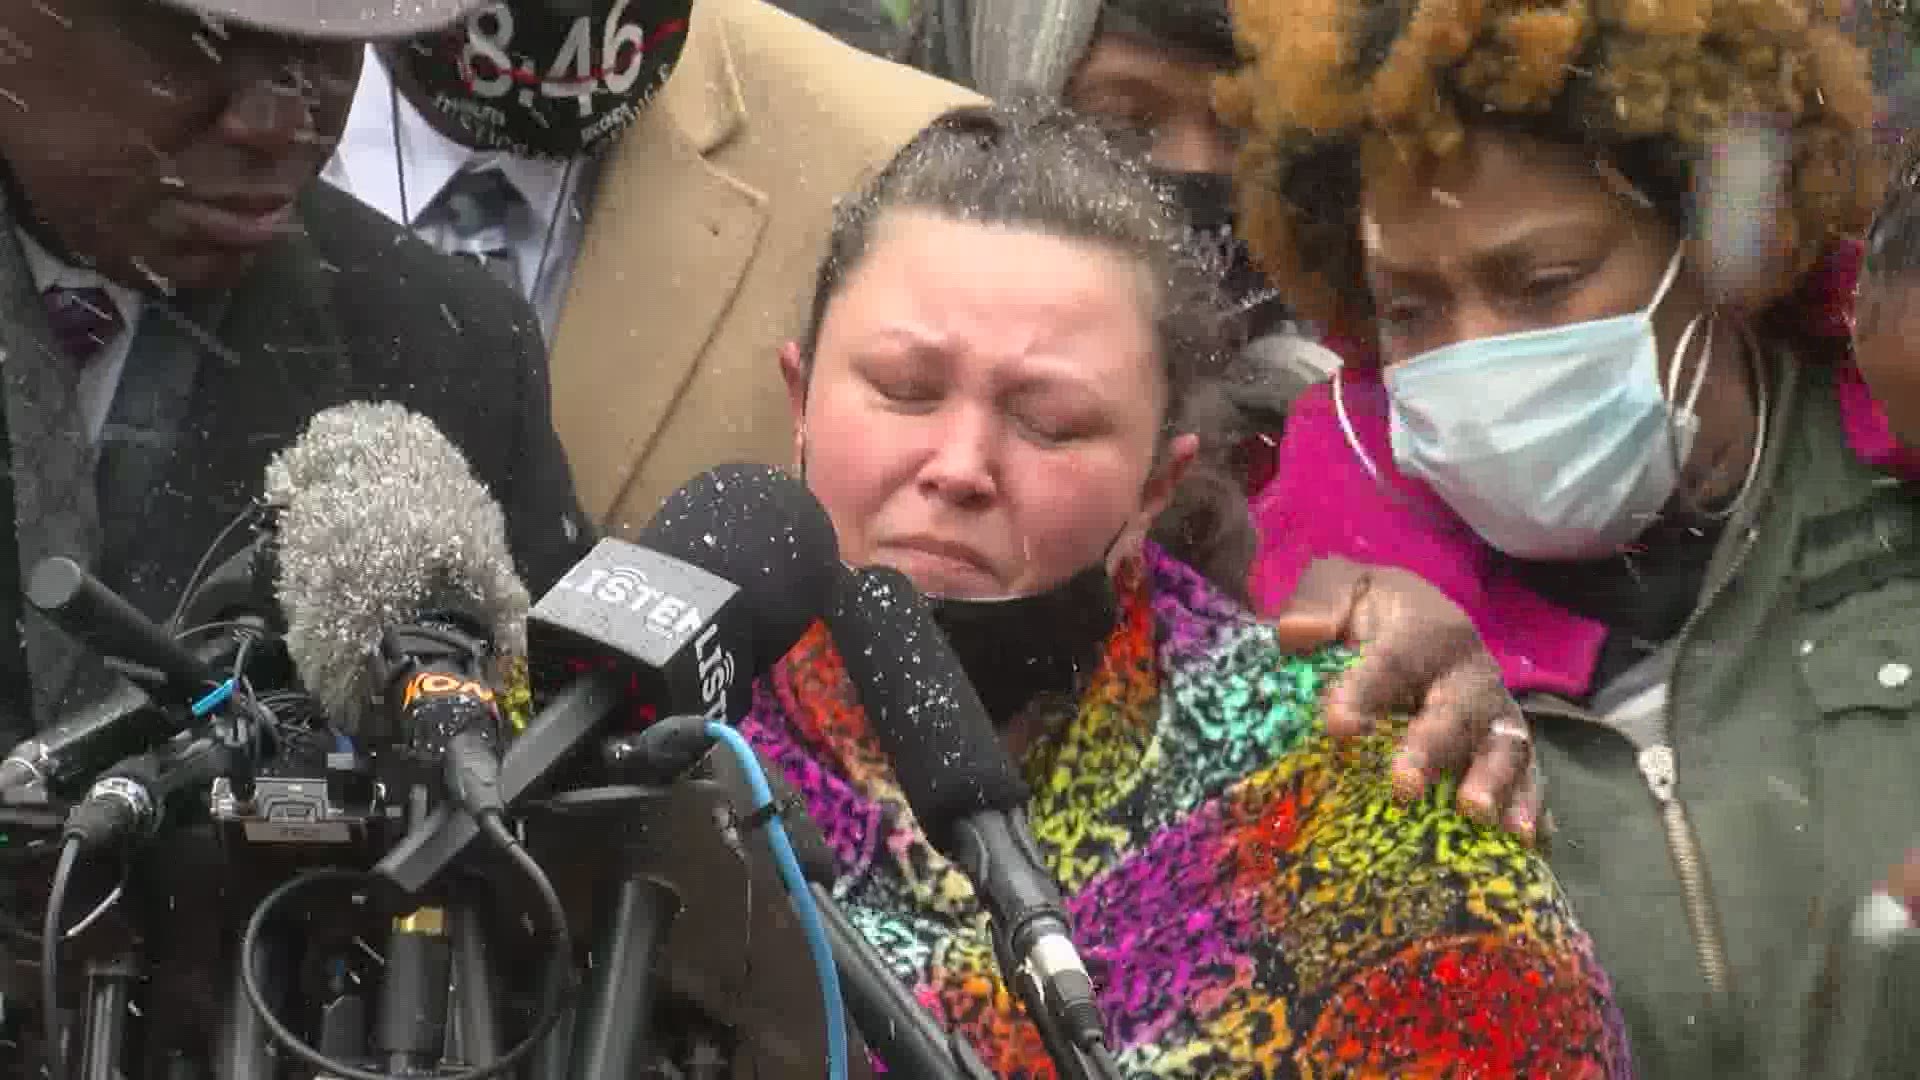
177 298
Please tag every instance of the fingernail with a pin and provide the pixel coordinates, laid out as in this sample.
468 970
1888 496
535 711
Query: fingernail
1409 779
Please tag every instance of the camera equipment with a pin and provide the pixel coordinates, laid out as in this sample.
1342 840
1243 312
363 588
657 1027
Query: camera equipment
217 796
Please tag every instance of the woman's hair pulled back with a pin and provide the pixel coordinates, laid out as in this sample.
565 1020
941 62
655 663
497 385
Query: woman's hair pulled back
1039 167
1035 166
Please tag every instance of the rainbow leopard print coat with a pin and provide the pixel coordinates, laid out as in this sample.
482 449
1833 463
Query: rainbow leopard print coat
1249 896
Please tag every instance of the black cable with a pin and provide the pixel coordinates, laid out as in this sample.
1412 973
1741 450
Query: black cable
496 830
473 775
237 627
241 654
555 986
195 580
50 957
552 1003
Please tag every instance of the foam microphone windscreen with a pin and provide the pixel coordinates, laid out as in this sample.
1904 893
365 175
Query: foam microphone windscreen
382 522
920 704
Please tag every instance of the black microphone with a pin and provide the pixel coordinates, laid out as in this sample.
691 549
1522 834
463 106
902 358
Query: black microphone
66 757
719 585
129 720
905 1035
386 543
726 578
399 591
132 797
96 616
401 600
962 789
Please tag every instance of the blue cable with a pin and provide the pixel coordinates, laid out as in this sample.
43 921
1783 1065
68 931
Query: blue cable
215 698
799 894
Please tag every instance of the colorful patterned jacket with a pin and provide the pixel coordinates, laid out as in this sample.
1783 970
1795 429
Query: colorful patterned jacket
1249 896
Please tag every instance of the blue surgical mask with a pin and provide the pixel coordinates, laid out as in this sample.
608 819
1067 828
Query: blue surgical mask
1551 444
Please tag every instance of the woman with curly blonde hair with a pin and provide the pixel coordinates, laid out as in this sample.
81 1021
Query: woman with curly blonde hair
1586 257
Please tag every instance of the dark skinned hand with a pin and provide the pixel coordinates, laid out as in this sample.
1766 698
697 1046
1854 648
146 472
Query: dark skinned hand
1419 655
1903 884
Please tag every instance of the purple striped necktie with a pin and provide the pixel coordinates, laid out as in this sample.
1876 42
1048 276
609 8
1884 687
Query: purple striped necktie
84 321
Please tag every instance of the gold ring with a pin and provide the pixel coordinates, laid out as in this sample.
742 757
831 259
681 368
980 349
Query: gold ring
1506 727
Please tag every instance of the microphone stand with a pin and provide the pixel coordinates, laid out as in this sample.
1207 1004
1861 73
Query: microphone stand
246 1051
1066 1055
474 1036
613 1029
1069 1057
109 993
898 1029
410 1027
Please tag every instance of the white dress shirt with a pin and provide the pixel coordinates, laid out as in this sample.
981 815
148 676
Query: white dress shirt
101 377
365 166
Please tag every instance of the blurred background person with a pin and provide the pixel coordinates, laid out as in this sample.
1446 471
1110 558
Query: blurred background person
1643 485
987 399
1886 328
1145 70
663 190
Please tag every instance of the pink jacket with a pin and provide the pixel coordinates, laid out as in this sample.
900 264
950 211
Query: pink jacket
1323 501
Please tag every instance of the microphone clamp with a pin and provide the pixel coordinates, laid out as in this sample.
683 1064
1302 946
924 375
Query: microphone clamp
114 807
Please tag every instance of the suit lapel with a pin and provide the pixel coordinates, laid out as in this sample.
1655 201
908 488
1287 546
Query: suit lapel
666 249
52 459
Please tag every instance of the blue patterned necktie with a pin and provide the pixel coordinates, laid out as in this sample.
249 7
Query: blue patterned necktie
480 213
83 320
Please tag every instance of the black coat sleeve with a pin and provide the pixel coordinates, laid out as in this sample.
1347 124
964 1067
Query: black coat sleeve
545 525
445 338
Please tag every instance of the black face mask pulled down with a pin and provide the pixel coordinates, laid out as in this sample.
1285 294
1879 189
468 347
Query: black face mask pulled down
1046 643
1207 200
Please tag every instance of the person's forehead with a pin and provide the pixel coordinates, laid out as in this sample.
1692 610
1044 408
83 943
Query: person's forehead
333 20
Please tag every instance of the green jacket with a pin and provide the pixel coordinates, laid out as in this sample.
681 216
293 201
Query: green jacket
1717 833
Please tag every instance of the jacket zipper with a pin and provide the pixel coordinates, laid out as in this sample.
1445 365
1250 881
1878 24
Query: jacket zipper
1659 770
1659 767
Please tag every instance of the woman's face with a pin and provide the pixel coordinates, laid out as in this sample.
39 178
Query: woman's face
984 406
1513 235
1886 340
1159 95
1516 234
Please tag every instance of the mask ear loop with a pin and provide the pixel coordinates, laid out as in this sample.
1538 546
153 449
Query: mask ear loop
1762 391
1353 437
1699 370
1451 525
1672 386
1678 411
1763 419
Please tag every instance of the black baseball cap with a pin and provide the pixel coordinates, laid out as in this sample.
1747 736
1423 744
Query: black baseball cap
341 20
